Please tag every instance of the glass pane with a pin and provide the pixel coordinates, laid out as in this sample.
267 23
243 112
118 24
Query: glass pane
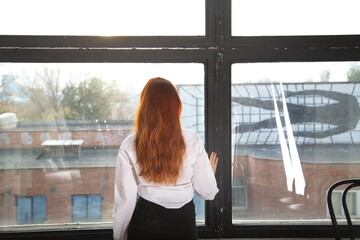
351 201
104 18
24 215
94 208
39 209
61 126
305 17
79 208
192 97
295 132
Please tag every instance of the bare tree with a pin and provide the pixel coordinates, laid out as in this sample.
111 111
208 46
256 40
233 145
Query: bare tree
44 92
4 101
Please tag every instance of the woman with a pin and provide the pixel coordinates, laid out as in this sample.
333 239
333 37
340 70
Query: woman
164 165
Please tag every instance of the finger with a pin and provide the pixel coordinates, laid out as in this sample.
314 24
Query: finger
211 158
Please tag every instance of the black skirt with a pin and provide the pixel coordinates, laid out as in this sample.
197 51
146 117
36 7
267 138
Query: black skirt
152 221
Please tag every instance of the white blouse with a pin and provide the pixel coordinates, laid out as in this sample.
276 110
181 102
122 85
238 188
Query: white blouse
196 176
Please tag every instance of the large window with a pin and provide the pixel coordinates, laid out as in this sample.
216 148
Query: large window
271 86
31 210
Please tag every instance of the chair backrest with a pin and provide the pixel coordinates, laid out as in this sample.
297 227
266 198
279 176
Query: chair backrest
350 183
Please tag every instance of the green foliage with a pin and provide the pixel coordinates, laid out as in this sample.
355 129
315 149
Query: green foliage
90 99
353 74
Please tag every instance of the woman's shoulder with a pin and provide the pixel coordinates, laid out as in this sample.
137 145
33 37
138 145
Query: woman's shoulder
128 142
190 136
188 133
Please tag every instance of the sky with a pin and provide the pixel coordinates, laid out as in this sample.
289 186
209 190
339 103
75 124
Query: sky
290 72
129 76
295 17
102 17
133 76
169 17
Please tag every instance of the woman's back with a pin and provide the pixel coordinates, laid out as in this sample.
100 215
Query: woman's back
177 194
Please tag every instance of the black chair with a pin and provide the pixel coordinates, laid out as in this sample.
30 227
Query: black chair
351 183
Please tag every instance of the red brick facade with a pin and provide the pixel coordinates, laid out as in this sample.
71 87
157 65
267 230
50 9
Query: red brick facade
267 190
58 186
267 194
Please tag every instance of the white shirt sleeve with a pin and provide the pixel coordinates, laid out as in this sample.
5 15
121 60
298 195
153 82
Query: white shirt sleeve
125 191
204 181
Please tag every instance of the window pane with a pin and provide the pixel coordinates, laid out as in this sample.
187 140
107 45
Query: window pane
39 209
106 17
283 17
295 132
94 208
79 208
24 215
61 128
352 201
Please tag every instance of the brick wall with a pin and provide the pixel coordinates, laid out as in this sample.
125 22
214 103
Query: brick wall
267 189
58 186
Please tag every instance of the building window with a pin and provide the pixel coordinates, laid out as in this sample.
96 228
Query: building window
239 193
86 208
31 210
352 201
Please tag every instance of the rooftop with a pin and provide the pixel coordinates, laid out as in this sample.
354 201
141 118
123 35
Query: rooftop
37 158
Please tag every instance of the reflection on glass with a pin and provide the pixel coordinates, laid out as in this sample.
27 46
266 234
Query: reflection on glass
293 170
295 133
283 17
103 18
60 129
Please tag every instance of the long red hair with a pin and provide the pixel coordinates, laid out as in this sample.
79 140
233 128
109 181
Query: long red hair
159 142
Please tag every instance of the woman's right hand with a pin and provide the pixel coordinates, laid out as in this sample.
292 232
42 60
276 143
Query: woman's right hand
213 161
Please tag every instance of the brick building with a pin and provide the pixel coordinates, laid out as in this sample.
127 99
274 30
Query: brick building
31 176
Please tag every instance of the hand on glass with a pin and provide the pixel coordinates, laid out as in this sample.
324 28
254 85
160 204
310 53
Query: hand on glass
213 161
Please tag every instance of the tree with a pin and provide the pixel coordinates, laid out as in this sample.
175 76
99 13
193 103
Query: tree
325 76
4 101
91 99
353 74
44 93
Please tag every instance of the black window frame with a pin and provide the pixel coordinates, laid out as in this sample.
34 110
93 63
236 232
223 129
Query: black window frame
217 50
